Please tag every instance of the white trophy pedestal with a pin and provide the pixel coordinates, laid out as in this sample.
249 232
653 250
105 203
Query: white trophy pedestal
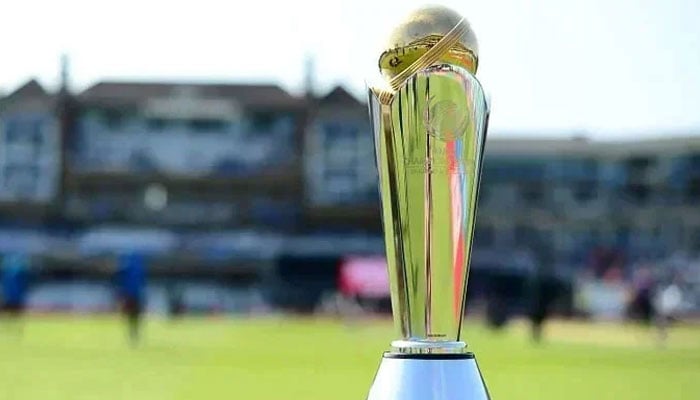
428 377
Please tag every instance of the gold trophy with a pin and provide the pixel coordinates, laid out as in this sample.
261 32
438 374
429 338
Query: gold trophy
429 116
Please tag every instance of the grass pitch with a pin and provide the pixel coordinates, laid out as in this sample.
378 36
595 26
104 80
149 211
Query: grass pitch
80 358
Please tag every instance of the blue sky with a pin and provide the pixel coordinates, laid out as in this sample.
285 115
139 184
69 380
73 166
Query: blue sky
611 69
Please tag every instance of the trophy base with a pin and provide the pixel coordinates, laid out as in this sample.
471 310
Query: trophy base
428 377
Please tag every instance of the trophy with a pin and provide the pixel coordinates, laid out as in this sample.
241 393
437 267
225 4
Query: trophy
429 115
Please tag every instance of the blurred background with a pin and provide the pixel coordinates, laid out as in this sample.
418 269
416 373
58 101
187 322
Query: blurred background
193 161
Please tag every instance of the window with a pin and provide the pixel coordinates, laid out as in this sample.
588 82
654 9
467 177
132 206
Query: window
694 161
636 188
262 121
637 192
525 235
585 191
623 235
693 171
207 125
273 212
37 136
484 236
693 189
484 192
13 131
24 138
532 193
638 168
156 124
113 119
346 168
341 155
21 181
639 163
695 240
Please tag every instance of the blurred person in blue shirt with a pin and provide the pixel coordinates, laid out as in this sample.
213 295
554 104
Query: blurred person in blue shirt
131 283
15 283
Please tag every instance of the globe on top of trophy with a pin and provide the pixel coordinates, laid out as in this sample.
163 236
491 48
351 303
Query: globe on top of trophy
426 36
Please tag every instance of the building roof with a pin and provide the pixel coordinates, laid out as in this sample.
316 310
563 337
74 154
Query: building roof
126 93
340 96
678 142
531 145
30 89
29 96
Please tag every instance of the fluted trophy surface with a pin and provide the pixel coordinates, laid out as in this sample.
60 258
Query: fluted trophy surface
429 116
429 131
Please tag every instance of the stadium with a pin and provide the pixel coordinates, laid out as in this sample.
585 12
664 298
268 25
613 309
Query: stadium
165 239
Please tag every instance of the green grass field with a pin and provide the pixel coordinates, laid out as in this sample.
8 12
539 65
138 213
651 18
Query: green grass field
274 358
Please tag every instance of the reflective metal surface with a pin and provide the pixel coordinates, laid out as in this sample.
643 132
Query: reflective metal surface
420 32
429 115
429 138
431 379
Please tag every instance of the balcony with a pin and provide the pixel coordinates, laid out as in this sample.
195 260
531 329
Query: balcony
138 146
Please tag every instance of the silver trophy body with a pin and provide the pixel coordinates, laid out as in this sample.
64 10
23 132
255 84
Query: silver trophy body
429 137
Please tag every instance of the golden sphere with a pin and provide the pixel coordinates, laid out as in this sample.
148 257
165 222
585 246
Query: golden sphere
422 30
